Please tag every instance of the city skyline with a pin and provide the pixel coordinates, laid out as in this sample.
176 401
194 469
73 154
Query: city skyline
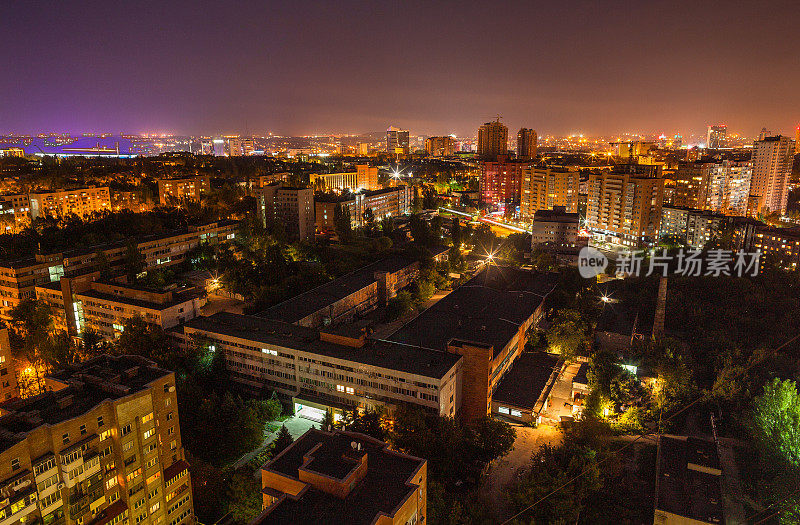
319 69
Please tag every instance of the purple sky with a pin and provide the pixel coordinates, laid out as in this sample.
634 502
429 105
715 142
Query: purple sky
435 67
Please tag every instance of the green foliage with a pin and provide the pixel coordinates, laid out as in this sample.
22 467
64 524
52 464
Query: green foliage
370 422
244 496
422 290
342 222
568 334
775 422
399 305
282 440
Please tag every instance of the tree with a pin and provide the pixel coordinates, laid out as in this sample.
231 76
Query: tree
342 222
775 422
244 497
328 422
399 305
568 335
455 232
371 422
282 440
133 261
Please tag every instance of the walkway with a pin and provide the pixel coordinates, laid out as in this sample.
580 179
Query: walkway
297 426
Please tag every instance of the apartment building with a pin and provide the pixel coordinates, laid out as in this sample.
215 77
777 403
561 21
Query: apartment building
349 296
544 188
8 376
772 164
289 206
18 279
178 190
500 182
780 244
20 206
105 306
388 202
440 146
695 228
324 477
59 203
558 232
102 446
624 205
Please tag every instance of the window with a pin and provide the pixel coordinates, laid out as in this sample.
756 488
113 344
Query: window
167 402
105 434
169 416
148 417
503 410
171 431
148 433
100 421
127 446
173 445
132 475
153 478
340 388
516 413
83 430
126 429
350 390
65 438
15 464
111 483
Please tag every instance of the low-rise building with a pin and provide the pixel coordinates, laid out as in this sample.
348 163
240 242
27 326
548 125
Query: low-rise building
364 178
349 296
102 446
558 232
388 202
688 482
342 477
780 244
524 392
19 278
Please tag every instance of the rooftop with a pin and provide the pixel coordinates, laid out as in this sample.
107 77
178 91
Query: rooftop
688 479
385 487
301 306
384 354
526 380
87 384
487 309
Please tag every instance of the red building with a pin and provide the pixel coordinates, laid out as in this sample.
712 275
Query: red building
501 182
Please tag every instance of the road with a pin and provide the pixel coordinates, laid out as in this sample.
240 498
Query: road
502 471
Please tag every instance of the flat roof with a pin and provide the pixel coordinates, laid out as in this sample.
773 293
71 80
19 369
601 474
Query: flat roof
178 297
392 356
301 306
524 382
487 309
687 491
90 383
384 488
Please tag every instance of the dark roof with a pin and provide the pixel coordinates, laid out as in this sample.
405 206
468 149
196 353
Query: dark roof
90 383
178 297
301 306
581 377
526 380
384 354
487 309
684 490
385 487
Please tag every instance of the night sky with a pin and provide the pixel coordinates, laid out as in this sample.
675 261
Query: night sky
434 67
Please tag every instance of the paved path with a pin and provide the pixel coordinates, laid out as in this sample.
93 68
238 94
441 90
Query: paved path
502 471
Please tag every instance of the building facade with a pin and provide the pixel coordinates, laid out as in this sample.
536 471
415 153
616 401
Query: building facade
557 231
103 446
526 144
500 183
717 136
397 141
388 202
440 146
492 140
60 203
176 191
624 205
772 165
289 206
544 188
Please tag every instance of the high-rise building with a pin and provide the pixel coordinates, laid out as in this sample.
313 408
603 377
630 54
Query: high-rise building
717 136
772 164
492 140
526 143
727 187
544 188
239 146
218 147
500 182
102 446
440 146
289 206
397 142
388 202
624 205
